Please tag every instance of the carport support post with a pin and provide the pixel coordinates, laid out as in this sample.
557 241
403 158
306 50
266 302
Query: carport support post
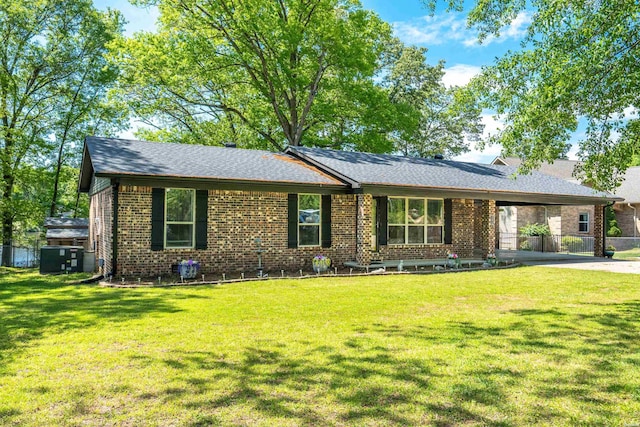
598 231
363 228
488 227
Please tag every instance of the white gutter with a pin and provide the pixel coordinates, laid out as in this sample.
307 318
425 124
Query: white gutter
635 220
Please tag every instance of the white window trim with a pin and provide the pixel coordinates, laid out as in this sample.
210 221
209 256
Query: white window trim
583 222
192 222
425 225
319 224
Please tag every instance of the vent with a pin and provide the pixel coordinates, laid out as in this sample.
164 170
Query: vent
230 145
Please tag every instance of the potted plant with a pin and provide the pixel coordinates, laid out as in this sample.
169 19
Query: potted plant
492 259
321 263
609 251
188 269
453 260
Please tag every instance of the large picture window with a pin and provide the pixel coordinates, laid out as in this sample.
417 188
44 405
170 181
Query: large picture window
415 221
309 216
179 217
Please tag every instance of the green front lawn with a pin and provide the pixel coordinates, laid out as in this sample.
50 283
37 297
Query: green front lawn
506 348
631 254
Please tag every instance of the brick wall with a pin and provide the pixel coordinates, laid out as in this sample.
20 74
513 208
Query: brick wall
625 217
570 217
530 215
100 228
235 220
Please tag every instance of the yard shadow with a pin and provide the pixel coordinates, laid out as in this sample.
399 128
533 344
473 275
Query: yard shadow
34 305
348 388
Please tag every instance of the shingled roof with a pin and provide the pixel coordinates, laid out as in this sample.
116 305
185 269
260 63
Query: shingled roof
336 170
110 157
559 168
388 174
629 187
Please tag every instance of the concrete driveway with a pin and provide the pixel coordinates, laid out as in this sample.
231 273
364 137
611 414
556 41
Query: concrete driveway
571 261
603 264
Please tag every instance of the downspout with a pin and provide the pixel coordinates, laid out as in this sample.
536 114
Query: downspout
635 220
114 240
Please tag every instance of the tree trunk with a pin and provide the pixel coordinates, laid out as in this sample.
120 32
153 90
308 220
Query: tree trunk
56 181
7 221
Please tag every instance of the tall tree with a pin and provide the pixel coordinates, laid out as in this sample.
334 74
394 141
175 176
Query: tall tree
260 70
581 61
44 46
434 119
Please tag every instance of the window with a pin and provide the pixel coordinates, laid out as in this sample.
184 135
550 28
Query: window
583 222
309 220
179 217
415 221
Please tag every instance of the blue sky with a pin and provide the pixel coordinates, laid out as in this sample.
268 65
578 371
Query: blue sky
444 34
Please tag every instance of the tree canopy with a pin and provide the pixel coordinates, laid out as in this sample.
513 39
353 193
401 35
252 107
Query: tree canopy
580 62
53 80
253 71
300 72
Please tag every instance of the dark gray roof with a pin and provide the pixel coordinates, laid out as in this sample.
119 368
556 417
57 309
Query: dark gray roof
630 188
112 157
52 222
472 180
67 233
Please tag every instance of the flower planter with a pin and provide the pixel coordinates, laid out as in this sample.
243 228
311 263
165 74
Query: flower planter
188 270
321 264
609 254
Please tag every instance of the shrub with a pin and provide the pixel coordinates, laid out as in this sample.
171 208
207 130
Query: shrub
570 242
535 230
526 246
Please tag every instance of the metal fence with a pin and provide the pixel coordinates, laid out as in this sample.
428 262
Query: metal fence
22 255
555 243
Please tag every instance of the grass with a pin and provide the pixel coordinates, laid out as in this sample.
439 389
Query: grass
526 346
631 254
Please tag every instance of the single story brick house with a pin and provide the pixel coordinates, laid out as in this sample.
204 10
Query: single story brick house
154 204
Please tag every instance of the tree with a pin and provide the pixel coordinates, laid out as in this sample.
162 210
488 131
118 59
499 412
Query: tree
45 46
265 71
432 119
580 61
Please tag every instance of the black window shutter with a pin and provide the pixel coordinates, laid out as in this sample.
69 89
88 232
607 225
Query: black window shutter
448 222
292 241
202 205
326 221
157 219
382 209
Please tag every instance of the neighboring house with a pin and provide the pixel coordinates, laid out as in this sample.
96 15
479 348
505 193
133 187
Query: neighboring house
627 211
573 220
154 204
67 231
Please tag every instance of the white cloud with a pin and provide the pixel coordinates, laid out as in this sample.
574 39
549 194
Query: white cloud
516 30
432 30
460 74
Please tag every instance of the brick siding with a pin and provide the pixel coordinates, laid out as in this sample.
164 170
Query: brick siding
237 218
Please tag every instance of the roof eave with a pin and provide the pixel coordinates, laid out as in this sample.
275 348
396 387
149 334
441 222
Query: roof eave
222 183
483 194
